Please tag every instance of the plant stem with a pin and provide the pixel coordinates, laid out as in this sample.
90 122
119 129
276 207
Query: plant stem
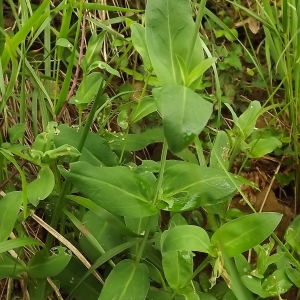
235 150
196 31
199 151
156 197
162 170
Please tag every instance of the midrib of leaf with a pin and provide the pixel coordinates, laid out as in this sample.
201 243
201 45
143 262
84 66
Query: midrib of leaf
241 235
192 184
170 42
127 284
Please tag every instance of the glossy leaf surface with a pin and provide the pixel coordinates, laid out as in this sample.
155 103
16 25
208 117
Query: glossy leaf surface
187 186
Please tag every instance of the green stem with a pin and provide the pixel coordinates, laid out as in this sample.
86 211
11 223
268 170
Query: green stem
294 261
156 197
200 268
199 151
127 129
235 151
144 241
196 31
162 170
124 145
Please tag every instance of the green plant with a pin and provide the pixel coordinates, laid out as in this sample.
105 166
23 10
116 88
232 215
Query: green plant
127 218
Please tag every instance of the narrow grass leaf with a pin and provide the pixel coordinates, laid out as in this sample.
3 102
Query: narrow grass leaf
17 243
10 266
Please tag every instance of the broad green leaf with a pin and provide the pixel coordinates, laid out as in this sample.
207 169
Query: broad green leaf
144 107
103 66
65 152
185 238
248 119
42 265
169 26
126 281
17 243
189 292
94 48
106 257
188 156
122 119
105 234
41 187
187 186
200 69
96 150
292 234
103 214
261 147
139 226
10 266
159 294
294 276
44 141
117 189
177 220
70 276
277 283
184 114
134 142
62 42
244 233
138 36
9 210
178 268
219 157
254 285
88 89
204 296
242 264
16 132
